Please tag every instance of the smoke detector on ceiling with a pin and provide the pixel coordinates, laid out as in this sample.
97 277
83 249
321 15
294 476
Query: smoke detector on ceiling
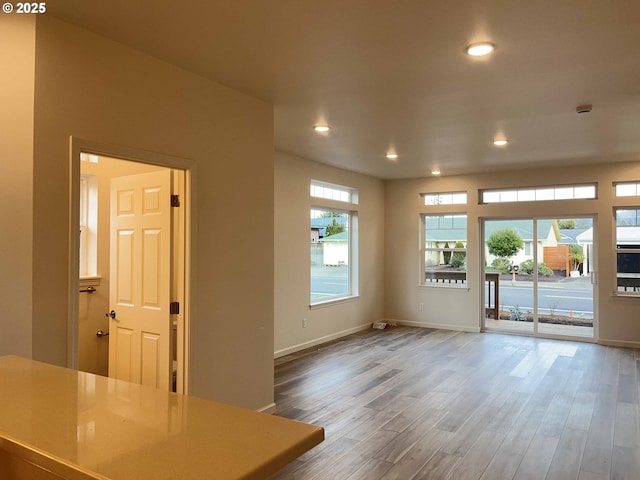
584 108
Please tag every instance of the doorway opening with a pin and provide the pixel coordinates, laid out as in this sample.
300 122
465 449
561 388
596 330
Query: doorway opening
128 301
539 277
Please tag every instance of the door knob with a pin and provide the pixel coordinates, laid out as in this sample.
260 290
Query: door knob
111 314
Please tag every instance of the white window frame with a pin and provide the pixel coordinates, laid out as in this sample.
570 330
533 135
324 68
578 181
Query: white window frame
337 205
88 226
583 191
444 198
333 192
449 282
625 284
627 189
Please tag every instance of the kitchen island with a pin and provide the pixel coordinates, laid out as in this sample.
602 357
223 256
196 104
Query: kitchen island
57 423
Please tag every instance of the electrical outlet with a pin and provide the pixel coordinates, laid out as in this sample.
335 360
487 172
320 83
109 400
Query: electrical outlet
304 323
421 307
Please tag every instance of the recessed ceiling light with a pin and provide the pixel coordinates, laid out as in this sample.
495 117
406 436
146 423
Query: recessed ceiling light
392 156
321 128
435 171
480 49
500 142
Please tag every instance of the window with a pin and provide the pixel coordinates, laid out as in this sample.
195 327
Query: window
444 249
627 250
333 245
627 189
558 192
445 198
88 225
330 191
527 248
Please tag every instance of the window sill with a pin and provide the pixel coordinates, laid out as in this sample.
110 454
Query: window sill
336 301
626 294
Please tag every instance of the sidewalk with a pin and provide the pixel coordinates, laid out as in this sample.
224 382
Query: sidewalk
569 283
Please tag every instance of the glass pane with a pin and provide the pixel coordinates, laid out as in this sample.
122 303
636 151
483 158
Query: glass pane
329 254
490 197
564 193
508 293
626 217
337 192
430 199
626 190
445 253
431 225
587 191
526 195
445 199
460 221
459 198
565 292
509 196
544 194
628 275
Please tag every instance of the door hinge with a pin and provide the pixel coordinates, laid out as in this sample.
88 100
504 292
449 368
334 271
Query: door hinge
175 200
174 308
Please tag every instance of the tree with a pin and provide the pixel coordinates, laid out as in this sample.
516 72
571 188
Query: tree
568 224
334 228
576 255
504 243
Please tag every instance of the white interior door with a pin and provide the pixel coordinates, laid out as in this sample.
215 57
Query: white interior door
140 275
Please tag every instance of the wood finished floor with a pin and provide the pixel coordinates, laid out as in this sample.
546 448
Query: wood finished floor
410 403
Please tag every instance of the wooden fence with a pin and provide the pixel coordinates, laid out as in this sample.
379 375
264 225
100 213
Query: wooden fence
557 258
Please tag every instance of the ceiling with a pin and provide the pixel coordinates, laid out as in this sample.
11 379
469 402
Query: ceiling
392 74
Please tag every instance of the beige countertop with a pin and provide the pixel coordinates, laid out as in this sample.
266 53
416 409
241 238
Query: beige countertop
80 425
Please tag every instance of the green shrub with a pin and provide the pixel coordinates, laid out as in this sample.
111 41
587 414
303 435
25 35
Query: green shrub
457 258
543 270
501 264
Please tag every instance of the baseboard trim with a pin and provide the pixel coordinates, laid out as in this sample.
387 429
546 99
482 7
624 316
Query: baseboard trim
438 326
618 343
270 409
319 341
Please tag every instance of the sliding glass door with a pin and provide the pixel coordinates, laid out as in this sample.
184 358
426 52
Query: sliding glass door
538 276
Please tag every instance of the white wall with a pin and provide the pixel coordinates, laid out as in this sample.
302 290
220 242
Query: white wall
17 61
95 89
460 308
292 267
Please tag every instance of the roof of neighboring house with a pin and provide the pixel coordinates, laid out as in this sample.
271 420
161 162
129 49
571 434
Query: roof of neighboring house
628 235
338 237
524 229
322 222
624 235
569 235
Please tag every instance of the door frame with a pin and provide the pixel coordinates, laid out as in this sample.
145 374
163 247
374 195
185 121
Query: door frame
78 145
594 274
